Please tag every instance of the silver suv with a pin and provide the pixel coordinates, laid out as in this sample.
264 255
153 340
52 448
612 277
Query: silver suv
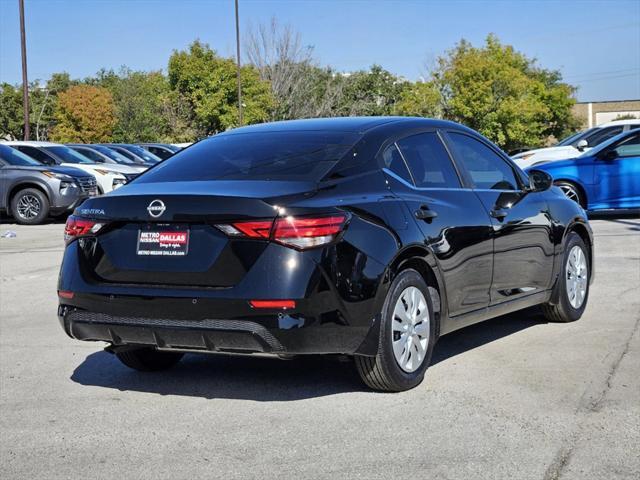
31 191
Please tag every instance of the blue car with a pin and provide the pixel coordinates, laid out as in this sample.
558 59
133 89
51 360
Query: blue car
606 177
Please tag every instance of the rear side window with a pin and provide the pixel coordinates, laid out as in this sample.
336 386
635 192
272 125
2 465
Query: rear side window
302 156
429 161
486 168
394 162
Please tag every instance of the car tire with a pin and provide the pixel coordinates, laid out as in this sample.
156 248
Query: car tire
573 280
572 192
384 371
149 359
30 206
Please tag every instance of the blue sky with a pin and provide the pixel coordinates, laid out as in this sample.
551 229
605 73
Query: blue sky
595 44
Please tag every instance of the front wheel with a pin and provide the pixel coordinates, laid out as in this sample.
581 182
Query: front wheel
30 206
572 287
407 337
572 192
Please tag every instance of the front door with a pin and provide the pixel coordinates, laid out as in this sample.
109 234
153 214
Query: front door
523 243
617 175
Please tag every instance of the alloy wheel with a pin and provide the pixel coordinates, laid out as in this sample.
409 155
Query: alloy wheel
576 276
410 329
29 207
570 192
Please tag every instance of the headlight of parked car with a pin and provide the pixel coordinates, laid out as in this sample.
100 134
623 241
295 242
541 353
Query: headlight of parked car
118 182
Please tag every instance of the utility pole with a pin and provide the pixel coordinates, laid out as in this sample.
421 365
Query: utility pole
238 66
25 81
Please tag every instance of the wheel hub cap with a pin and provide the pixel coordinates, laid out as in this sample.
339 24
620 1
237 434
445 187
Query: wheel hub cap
410 329
29 206
576 276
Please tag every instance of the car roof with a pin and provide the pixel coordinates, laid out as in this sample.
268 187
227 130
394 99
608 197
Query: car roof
33 143
339 124
630 121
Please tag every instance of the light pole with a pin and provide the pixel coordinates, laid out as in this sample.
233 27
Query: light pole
238 66
25 81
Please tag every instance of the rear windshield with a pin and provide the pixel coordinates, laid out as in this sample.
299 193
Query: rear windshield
300 156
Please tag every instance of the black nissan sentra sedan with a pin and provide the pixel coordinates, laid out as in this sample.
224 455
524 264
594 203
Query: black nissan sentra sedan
367 237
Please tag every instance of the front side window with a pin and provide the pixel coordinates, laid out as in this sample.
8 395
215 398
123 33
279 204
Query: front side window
629 147
429 161
486 168
393 161
90 154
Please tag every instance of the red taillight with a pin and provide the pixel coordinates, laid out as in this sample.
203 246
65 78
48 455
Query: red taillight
65 294
277 304
78 227
298 232
254 229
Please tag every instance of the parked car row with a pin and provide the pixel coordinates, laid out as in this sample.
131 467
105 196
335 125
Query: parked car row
38 179
598 168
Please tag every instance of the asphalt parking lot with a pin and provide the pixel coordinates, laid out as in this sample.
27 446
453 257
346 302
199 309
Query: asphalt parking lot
514 397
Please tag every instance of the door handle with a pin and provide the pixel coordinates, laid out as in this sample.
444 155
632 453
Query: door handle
499 213
425 213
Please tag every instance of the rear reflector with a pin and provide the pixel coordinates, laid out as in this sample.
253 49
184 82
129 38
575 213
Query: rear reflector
273 304
65 294
297 232
78 227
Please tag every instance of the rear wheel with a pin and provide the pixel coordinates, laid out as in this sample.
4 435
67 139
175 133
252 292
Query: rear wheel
30 206
572 192
149 359
573 285
407 337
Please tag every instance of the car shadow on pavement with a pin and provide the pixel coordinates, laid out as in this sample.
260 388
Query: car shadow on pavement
271 379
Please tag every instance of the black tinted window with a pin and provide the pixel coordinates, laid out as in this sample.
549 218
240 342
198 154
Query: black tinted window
602 134
35 153
629 147
305 156
394 162
16 157
429 161
486 168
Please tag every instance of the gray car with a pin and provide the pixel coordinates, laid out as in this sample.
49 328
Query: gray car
30 191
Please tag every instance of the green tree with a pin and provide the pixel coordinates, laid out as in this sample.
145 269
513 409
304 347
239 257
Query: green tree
420 99
373 92
503 94
84 113
11 119
208 82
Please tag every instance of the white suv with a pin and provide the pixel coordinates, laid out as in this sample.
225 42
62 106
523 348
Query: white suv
576 144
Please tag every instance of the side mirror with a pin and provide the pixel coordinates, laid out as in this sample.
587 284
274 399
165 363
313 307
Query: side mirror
609 155
539 181
582 145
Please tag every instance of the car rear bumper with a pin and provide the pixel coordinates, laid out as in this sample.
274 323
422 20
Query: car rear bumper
276 334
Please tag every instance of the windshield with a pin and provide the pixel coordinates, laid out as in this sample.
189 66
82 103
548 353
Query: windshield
302 156
142 153
67 155
112 154
16 157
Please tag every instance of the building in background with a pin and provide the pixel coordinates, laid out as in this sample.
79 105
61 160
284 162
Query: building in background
597 113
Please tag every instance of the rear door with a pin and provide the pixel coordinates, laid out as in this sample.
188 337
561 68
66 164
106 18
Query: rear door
523 244
617 175
452 219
